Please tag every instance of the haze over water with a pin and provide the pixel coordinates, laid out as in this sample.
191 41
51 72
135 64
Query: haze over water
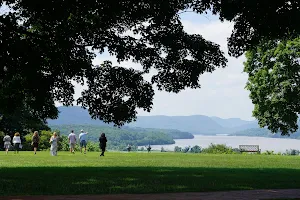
273 144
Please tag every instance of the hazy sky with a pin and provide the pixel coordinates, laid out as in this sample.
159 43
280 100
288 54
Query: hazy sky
222 92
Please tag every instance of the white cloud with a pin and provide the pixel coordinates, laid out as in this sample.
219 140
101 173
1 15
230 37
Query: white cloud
222 93
213 30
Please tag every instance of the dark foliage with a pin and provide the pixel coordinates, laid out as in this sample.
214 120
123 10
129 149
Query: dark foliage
274 84
44 50
22 120
119 138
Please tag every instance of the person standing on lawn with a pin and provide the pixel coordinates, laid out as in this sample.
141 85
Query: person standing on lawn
35 141
53 141
17 142
83 141
72 141
102 141
7 142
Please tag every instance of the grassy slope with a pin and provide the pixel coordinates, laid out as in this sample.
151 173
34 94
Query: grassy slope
143 173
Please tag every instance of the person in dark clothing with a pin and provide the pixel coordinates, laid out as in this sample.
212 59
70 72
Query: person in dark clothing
128 147
149 148
35 141
102 140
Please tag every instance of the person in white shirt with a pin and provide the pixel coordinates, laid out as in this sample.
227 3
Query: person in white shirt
83 141
17 142
7 142
72 141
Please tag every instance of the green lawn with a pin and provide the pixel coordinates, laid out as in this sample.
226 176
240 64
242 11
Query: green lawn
143 173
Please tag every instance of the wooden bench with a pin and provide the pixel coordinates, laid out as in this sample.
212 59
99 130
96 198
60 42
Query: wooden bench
249 148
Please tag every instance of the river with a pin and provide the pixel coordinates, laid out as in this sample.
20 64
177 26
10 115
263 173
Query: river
273 144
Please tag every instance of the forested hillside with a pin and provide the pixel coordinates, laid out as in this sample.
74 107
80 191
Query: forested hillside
175 134
119 137
262 132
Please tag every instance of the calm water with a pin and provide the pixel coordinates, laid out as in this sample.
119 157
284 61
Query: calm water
274 144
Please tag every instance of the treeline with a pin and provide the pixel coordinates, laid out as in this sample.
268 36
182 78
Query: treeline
175 134
119 138
224 149
211 149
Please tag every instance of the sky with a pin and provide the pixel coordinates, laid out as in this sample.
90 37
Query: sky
222 92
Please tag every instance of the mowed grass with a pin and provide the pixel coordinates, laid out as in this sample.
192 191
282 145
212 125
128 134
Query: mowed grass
28 174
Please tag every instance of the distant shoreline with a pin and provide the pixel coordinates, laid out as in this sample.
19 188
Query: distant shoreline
237 135
265 143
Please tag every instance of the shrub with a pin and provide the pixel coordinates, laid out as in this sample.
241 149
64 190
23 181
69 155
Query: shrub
177 149
162 150
2 134
236 150
268 153
44 141
292 152
186 149
63 144
92 146
142 149
218 149
196 149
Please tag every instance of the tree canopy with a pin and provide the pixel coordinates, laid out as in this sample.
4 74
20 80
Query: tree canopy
47 45
22 120
274 84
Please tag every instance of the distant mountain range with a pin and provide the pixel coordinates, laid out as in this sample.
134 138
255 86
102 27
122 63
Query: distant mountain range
195 124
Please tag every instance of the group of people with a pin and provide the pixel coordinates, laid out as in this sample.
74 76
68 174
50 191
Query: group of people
17 144
72 139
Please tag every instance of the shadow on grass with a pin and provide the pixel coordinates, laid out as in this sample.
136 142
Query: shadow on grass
107 180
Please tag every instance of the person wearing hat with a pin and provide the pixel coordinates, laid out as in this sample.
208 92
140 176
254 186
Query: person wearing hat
83 140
